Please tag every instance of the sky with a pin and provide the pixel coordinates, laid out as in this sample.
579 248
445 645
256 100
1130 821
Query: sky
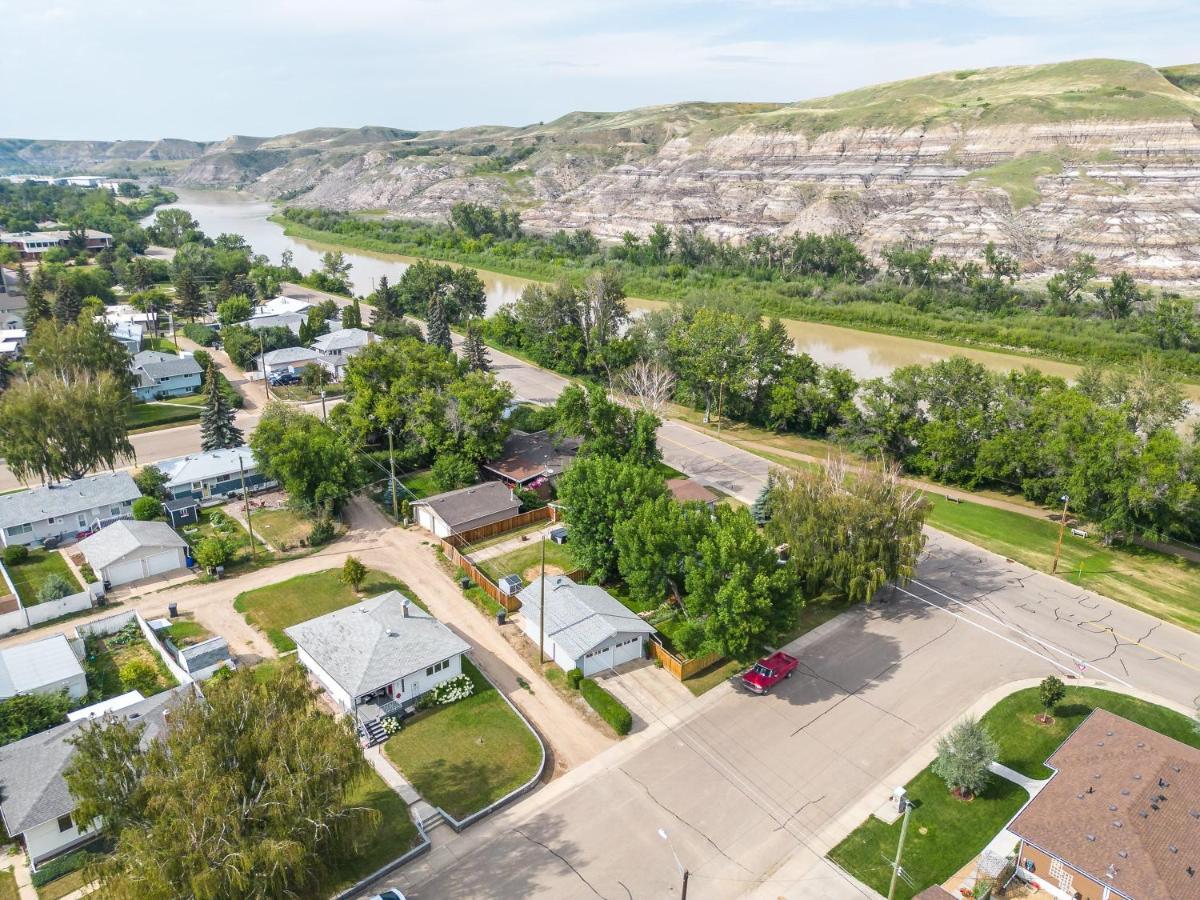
205 69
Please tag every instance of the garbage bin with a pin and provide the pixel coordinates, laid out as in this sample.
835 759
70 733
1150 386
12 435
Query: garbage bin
173 610
464 583
501 615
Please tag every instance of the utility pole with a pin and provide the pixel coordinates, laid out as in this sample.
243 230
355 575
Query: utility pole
683 872
324 417
720 401
262 365
392 470
171 325
246 500
1062 526
542 609
900 849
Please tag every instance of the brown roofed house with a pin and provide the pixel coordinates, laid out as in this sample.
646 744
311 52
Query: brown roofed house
1119 818
527 457
686 490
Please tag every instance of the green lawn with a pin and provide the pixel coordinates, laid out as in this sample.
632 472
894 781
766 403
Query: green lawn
214 521
466 755
61 887
273 608
526 561
1164 586
283 529
188 400
184 633
420 483
394 834
161 344
8 885
1025 745
944 833
27 577
159 415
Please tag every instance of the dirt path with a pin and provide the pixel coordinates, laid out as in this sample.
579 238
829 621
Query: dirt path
253 392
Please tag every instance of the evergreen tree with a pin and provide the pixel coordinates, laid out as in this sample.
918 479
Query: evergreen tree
761 510
217 431
22 278
67 302
437 328
189 300
352 315
384 301
37 304
475 351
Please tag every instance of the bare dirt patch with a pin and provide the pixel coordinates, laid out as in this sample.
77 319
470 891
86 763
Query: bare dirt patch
533 573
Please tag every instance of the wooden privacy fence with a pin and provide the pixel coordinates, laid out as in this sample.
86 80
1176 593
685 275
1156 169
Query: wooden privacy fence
510 604
679 667
520 520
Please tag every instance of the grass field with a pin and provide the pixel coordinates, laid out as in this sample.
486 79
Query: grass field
1018 177
8 885
1025 744
466 755
159 415
420 483
213 521
525 561
1163 586
273 608
28 576
61 887
283 529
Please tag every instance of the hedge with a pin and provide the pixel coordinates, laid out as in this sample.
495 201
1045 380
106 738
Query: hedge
63 865
201 334
574 677
611 709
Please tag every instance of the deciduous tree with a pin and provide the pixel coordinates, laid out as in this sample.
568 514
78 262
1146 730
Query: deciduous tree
963 756
313 463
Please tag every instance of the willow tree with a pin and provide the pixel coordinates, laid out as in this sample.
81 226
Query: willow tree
245 795
849 530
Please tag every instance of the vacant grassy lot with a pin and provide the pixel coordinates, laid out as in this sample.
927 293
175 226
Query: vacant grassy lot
184 633
944 833
466 755
28 576
108 654
159 415
283 529
1163 586
1025 744
273 608
526 561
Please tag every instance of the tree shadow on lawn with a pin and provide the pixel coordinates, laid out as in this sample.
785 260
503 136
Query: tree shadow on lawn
462 788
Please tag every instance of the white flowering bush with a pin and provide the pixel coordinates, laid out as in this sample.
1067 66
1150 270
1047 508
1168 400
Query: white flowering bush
390 725
460 687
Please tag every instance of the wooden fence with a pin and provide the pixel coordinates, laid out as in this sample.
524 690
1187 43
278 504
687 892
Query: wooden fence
682 669
510 603
520 520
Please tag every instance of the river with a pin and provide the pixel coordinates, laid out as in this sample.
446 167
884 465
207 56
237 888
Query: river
866 354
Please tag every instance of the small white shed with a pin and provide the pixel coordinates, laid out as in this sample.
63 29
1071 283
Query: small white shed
128 550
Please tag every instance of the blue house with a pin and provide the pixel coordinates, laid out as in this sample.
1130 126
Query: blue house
213 475
157 375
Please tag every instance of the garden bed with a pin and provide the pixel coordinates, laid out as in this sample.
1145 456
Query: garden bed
215 522
106 657
469 754
28 576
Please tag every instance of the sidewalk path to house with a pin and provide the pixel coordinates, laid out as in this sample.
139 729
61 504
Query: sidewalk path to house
500 548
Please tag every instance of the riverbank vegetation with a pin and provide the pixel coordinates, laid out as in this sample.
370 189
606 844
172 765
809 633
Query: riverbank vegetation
815 278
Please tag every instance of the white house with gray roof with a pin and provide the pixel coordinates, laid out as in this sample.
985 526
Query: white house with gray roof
158 375
36 805
42 667
343 343
377 657
128 550
213 475
61 511
586 628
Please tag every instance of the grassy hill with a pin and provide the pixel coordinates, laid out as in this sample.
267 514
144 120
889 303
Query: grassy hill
1184 77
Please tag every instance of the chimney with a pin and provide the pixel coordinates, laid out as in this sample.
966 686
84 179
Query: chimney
404 607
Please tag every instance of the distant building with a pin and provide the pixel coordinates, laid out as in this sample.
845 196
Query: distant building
687 490
290 321
32 244
529 459
160 375
212 475
12 340
129 335
61 511
282 306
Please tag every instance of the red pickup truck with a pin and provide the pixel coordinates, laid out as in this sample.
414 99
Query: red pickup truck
769 671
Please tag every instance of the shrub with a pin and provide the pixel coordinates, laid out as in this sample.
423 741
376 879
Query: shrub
15 555
211 552
353 573
139 675
573 679
611 709
55 587
322 531
146 508
460 687
963 757
201 334
391 724
88 574
63 865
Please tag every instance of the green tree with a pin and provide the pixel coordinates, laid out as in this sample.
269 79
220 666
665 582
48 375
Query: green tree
68 302
189 299
37 304
760 511
54 587
1120 297
234 309
173 228
352 315
598 492
211 552
147 508
963 756
139 675
655 544
26 714
451 471
255 775
335 268
1066 287
151 481
313 463
437 329
217 428
607 428
79 350
1051 693
353 573
475 350
736 590
1173 322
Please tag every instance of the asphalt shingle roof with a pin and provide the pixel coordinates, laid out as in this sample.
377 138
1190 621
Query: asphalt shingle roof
25 668
289 355
343 339
373 643
465 505
580 617
207 464
66 498
125 536
164 365
525 456
32 787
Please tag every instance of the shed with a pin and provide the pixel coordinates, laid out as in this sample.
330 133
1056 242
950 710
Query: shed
129 550
182 511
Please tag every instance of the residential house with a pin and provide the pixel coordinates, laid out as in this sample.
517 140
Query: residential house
12 341
456 511
213 475
1120 816
128 550
529 460
377 657
687 490
343 343
32 244
159 375
282 306
42 667
129 335
60 511
295 360
585 627
35 804
291 321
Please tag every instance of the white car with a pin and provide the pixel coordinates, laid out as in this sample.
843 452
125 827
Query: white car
390 894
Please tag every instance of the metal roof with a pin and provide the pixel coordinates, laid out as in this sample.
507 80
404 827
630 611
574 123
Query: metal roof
124 537
25 668
580 617
67 498
375 642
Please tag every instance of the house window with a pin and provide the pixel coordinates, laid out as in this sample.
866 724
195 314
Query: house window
437 667
65 823
82 520
16 530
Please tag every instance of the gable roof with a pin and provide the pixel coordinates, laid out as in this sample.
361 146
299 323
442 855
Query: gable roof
342 339
32 787
29 667
1096 814
291 321
580 617
66 498
526 456
465 505
206 464
686 489
290 354
123 537
375 642
164 365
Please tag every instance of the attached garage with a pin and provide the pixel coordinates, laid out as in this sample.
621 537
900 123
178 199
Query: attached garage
586 628
129 550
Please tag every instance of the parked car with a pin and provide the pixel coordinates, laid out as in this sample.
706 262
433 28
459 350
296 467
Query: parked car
389 894
769 671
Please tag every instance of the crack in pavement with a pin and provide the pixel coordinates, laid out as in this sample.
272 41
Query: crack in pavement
803 806
562 859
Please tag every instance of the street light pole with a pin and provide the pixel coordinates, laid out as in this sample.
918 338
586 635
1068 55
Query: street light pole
1062 526
683 872
900 849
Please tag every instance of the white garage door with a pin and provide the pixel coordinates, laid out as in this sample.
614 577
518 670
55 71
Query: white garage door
621 650
164 562
597 660
124 572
